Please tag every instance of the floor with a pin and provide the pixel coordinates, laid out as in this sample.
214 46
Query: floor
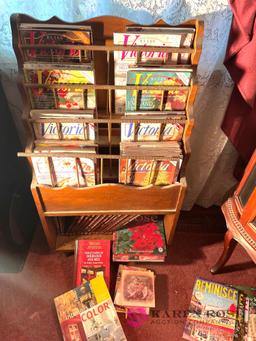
26 298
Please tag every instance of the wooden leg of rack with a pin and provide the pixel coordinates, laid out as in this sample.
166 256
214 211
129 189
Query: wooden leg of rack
229 246
169 225
170 220
48 226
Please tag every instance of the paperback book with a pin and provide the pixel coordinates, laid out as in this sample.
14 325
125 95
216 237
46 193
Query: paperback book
39 35
141 243
92 259
48 125
61 171
212 312
148 100
63 97
88 313
142 36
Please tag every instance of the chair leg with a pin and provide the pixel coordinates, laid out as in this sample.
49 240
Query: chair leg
229 246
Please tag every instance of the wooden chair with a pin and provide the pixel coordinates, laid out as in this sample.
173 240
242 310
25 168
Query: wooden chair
240 214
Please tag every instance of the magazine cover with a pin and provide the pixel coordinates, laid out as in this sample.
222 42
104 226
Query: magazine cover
212 312
137 288
141 243
63 171
117 295
52 130
146 172
59 98
55 34
92 259
151 131
153 99
88 313
124 59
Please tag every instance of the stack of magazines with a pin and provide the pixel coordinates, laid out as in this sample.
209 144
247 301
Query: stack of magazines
54 76
160 114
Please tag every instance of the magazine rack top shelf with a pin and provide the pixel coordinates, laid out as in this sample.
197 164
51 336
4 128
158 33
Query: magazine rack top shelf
107 198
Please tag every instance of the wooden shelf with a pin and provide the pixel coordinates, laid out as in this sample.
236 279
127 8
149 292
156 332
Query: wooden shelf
108 198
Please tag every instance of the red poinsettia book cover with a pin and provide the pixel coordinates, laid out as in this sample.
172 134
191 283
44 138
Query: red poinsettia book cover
92 259
141 243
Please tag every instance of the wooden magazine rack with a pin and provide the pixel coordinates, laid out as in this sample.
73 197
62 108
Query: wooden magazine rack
108 198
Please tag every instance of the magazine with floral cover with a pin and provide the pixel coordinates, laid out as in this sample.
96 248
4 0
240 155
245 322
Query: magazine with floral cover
212 312
56 130
143 37
137 288
55 34
64 97
152 131
141 243
146 172
92 258
154 99
88 313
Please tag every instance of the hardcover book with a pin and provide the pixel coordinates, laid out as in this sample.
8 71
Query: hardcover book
146 172
63 97
88 313
141 243
143 37
151 131
212 312
61 171
92 259
56 130
55 34
157 99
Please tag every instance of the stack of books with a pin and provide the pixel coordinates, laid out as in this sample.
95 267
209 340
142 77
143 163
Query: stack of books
221 312
54 76
165 110
135 290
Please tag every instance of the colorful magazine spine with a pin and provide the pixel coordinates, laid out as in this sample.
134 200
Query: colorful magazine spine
92 258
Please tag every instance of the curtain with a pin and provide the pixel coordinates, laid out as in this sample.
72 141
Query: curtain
210 167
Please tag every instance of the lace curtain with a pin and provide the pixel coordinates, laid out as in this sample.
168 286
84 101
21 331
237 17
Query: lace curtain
209 170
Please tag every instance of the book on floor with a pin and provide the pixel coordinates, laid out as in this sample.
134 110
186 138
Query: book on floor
213 312
140 243
88 313
92 259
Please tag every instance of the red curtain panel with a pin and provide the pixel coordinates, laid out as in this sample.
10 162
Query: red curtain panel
239 123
